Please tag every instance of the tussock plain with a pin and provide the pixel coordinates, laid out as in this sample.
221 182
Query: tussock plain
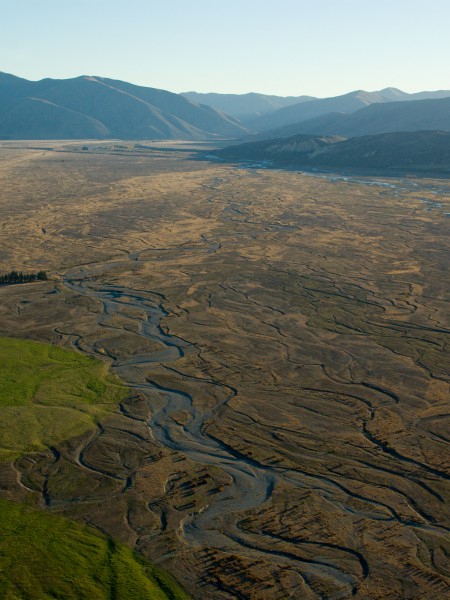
285 340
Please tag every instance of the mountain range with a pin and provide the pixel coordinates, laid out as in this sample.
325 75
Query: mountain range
89 107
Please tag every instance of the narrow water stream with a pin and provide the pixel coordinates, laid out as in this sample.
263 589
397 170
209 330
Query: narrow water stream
251 484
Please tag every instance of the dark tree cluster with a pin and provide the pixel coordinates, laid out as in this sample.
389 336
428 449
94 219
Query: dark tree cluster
20 277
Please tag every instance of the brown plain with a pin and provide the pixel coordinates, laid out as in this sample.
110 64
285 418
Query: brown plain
314 376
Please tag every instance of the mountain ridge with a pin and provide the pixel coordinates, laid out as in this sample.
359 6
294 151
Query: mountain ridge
104 108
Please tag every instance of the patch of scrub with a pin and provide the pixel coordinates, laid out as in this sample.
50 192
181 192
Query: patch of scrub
48 394
46 556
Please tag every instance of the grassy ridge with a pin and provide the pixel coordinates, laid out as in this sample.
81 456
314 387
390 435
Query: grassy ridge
48 394
44 556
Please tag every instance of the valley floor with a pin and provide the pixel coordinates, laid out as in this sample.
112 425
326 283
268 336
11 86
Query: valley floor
285 340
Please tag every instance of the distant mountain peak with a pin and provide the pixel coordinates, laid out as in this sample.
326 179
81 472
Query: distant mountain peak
245 107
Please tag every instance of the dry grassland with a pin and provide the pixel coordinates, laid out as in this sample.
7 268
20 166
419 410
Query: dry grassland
286 339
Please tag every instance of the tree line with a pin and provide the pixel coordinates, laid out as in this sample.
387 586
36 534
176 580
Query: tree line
21 277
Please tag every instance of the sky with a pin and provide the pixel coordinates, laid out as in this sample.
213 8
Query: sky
283 47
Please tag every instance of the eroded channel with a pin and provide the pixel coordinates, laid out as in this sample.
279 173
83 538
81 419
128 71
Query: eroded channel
250 483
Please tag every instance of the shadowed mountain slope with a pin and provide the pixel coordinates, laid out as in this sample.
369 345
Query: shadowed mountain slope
415 152
394 116
33 118
101 108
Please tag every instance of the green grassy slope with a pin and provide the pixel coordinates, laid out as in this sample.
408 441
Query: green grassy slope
48 394
44 557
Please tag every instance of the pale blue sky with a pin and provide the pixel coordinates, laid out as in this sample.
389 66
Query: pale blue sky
286 47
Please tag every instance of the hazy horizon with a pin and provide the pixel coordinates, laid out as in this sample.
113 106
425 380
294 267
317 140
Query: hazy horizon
288 48
223 91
